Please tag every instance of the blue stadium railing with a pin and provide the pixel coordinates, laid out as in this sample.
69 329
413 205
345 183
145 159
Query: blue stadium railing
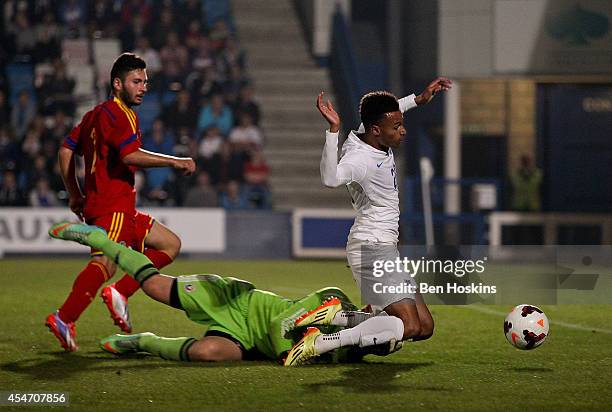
472 223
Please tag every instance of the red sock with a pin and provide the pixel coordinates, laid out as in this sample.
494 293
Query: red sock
127 285
84 290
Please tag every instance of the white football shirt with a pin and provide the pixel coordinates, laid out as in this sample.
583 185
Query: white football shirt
370 176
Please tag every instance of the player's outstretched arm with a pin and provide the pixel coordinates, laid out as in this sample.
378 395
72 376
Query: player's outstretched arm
437 85
332 173
411 101
327 111
145 159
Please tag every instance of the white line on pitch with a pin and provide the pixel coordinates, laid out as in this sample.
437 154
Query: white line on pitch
482 309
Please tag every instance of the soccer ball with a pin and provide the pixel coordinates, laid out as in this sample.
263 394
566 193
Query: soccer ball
526 327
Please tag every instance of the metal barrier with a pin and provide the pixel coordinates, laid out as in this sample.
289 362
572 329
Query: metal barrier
550 223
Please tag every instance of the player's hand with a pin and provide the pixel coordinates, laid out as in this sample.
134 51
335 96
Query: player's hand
185 165
76 204
328 112
439 84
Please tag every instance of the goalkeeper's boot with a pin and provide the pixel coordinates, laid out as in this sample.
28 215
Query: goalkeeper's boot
304 351
122 344
78 232
117 305
323 315
63 331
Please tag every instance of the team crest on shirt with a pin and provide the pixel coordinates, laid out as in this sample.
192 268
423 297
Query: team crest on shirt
189 288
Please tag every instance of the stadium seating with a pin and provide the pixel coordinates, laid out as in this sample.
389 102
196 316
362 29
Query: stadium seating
76 51
20 77
105 51
148 111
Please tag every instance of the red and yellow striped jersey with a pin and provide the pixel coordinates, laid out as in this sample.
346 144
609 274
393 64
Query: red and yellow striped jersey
105 135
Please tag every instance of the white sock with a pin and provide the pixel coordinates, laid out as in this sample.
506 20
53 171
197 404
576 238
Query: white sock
373 331
385 329
350 318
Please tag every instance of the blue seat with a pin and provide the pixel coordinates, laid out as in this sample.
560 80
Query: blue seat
148 111
168 97
20 77
218 9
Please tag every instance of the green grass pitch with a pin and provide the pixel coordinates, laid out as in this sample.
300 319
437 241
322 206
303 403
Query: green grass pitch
467 365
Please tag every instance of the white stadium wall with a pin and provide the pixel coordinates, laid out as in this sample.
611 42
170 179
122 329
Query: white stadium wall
24 230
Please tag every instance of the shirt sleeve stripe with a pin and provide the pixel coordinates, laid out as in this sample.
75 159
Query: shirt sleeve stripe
70 143
127 141
109 113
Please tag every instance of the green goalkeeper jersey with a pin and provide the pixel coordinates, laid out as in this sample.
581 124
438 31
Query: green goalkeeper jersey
256 318
235 307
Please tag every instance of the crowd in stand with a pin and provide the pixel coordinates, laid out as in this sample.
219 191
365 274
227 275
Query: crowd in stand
211 114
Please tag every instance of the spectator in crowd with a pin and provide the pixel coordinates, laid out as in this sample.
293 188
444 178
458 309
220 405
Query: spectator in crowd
232 55
56 91
42 195
23 113
202 56
231 165
9 150
175 59
219 33
129 33
232 85
165 24
246 136
32 144
72 14
133 8
203 194
5 111
10 194
204 80
246 103
211 144
234 198
178 48
38 169
151 56
181 113
189 10
103 17
217 113
24 34
47 46
526 181
60 127
256 175
158 179
193 36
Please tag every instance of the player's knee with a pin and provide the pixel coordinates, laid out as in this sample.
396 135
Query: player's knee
156 288
210 351
412 330
427 330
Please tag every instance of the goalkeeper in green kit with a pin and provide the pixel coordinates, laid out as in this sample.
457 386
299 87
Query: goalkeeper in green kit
243 323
